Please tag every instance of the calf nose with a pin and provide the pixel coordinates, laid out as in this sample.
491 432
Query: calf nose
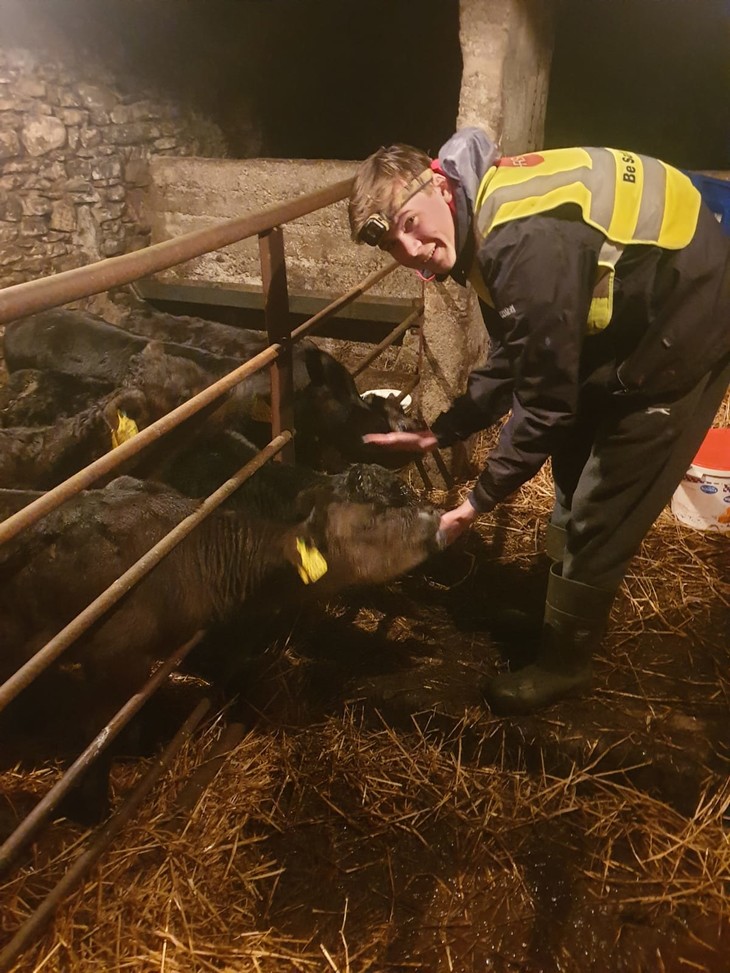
428 521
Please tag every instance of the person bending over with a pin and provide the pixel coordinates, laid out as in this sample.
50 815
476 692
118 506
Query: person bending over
605 290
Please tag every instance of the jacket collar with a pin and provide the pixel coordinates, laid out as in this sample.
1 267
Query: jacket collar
464 159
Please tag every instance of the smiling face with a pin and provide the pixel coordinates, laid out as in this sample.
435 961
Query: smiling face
422 234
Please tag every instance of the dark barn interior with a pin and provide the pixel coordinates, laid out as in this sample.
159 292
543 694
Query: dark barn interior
652 76
353 805
366 74
649 76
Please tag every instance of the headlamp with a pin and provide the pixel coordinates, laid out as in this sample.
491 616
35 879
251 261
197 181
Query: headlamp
374 229
377 224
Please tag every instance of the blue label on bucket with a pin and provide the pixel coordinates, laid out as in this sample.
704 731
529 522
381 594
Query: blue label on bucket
708 488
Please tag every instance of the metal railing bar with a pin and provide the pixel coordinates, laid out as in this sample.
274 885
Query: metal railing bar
85 477
77 626
388 340
203 775
28 932
344 299
114 458
408 388
32 823
70 285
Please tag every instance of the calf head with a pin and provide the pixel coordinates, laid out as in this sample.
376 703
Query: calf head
332 418
361 483
344 544
166 380
393 415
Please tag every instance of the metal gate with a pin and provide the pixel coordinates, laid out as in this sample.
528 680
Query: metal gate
23 299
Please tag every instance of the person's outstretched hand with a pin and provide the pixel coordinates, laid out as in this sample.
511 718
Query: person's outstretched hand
455 522
421 441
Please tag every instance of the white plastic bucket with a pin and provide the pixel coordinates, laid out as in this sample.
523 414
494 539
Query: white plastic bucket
702 499
406 401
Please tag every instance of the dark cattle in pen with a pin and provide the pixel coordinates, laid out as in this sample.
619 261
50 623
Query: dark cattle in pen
39 397
80 343
330 416
54 569
278 490
36 397
38 458
323 372
212 336
85 344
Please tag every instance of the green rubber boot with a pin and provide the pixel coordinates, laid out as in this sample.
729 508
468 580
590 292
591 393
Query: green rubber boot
513 625
555 540
574 623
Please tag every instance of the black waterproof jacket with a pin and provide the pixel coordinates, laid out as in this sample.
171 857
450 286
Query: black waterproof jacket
670 323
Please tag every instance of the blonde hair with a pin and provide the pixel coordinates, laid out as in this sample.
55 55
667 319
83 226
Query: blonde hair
379 178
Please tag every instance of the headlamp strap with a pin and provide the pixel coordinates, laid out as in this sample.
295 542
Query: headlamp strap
377 224
416 184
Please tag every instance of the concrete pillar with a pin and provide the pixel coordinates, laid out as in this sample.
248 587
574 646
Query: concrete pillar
506 50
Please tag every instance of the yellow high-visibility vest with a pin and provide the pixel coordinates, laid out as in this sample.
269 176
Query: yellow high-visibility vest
630 198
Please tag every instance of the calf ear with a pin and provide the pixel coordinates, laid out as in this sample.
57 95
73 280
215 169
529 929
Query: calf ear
299 550
153 349
311 504
133 403
314 524
323 369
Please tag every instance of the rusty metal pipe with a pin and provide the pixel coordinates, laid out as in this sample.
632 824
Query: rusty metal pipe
278 329
70 285
388 340
77 626
32 823
204 774
408 388
344 299
31 928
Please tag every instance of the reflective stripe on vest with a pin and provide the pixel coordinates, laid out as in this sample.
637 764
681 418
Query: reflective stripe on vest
630 198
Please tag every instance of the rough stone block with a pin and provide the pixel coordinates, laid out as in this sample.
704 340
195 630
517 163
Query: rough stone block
43 134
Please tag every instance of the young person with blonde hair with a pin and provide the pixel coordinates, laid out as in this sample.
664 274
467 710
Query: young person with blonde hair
605 289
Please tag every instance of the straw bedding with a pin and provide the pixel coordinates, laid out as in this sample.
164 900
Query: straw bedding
345 834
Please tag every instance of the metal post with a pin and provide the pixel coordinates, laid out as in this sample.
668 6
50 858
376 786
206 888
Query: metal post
276 314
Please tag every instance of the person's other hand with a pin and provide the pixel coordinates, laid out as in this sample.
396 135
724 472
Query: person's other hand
455 522
413 442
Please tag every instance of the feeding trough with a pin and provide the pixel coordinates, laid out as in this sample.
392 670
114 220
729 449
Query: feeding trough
405 402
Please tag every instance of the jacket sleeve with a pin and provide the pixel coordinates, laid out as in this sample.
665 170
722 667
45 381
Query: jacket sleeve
488 396
540 272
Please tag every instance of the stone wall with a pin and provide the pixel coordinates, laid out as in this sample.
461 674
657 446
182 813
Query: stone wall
75 138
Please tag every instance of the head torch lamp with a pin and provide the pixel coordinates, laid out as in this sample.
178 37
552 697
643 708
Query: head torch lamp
377 224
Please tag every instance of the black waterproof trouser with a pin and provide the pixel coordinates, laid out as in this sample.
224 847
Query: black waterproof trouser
620 466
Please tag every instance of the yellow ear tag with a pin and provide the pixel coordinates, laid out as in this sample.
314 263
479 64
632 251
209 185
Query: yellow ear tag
260 409
313 564
126 428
